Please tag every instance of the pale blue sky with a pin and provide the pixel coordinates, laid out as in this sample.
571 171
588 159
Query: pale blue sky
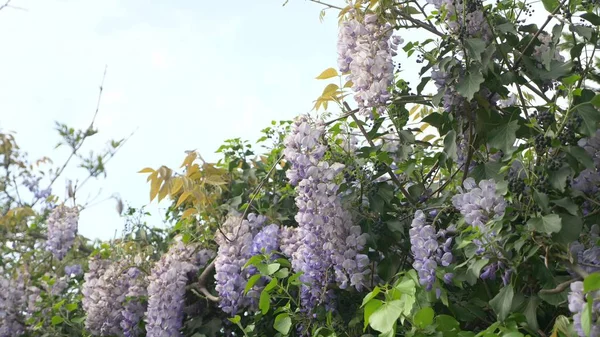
185 74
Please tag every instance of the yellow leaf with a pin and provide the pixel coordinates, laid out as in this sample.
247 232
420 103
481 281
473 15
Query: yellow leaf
344 11
413 110
189 159
177 184
325 104
153 175
424 126
146 170
182 198
329 90
373 3
215 180
188 212
428 138
164 190
327 73
154 187
348 84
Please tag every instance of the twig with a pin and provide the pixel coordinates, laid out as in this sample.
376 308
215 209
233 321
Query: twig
202 282
559 288
326 4
6 4
90 127
387 167
548 19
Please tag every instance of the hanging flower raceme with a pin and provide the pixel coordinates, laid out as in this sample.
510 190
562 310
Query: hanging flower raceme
325 237
103 295
464 17
12 304
134 307
577 302
427 251
62 229
167 287
586 252
235 240
478 205
365 50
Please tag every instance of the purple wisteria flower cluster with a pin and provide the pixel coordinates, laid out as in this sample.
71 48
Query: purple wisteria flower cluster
587 253
73 270
167 287
235 240
544 50
427 251
478 205
62 229
103 294
33 185
588 180
326 237
464 18
365 50
12 304
577 302
134 307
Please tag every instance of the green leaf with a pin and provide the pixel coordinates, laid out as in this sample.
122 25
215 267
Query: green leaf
58 305
78 320
567 204
470 84
264 302
502 303
407 286
531 312
56 320
570 232
283 323
370 308
450 145
271 284
503 137
596 101
590 116
282 273
586 318
591 282
384 318
475 269
488 170
475 48
71 306
550 5
558 179
235 319
446 323
371 295
547 224
581 156
541 199
582 31
592 18
251 282
424 317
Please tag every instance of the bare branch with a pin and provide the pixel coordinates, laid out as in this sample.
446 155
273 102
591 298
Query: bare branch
202 282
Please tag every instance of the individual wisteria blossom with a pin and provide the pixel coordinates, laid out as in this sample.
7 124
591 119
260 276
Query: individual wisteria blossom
428 252
588 180
235 240
167 287
73 270
12 304
62 229
326 237
365 50
577 302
